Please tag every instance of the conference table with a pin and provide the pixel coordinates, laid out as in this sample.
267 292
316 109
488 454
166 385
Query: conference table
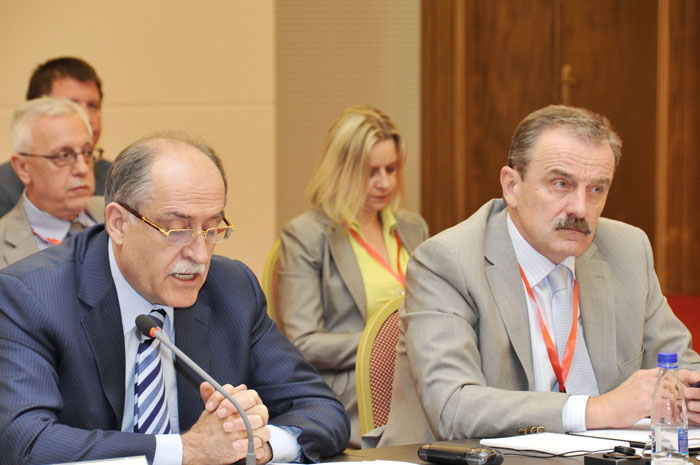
408 453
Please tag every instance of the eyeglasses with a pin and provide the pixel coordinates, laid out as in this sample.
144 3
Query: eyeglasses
68 157
187 236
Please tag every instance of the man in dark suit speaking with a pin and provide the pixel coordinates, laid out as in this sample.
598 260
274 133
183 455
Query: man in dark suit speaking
78 382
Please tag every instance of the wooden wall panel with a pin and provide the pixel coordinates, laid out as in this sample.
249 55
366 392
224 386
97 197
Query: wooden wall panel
611 48
683 222
485 65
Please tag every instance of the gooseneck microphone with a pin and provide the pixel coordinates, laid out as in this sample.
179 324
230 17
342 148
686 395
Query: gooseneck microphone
147 326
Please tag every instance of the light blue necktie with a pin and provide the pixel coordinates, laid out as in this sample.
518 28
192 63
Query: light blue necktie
150 404
581 379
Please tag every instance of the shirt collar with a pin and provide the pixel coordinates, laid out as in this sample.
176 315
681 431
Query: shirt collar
131 303
388 222
44 223
535 265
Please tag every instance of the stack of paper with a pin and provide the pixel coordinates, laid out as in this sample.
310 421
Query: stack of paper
554 443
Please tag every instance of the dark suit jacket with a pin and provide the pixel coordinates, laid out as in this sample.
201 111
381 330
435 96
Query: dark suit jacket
62 358
11 187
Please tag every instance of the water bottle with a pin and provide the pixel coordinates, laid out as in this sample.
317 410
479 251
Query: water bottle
669 417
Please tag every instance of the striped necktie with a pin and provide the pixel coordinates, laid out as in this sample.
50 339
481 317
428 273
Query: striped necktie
150 404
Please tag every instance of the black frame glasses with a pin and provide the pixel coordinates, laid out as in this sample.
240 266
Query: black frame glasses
187 236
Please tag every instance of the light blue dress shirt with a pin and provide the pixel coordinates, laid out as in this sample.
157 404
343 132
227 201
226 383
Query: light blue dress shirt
45 225
536 268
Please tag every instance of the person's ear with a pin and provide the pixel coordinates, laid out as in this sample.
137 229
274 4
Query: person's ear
116 221
22 168
510 184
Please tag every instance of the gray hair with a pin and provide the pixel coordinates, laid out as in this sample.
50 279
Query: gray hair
129 178
584 124
26 115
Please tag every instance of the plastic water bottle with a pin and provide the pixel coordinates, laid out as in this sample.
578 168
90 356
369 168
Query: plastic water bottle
669 417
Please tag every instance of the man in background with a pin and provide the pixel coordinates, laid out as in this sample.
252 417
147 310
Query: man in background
53 155
76 80
76 372
535 313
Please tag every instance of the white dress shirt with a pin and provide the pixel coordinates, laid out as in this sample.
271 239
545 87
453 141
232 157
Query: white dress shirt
283 440
537 268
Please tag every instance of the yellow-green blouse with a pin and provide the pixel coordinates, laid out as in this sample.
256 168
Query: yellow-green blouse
380 285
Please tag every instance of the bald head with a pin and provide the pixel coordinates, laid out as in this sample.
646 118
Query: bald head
132 173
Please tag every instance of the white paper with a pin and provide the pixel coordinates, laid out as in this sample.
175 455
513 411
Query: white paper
639 433
140 460
554 443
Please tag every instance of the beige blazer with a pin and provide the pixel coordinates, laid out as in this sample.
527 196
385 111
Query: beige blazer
322 297
464 364
16 237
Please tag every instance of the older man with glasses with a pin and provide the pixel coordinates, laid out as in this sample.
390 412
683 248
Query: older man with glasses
53 155
80 383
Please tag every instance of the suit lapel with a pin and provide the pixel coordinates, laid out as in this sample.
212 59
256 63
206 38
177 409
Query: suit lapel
409 233
96 208
347 266
507 289
96 289
595 301
191 335
19 237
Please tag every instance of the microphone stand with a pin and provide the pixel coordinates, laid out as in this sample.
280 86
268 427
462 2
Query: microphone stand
153 331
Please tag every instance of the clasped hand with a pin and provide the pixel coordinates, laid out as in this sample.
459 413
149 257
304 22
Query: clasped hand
220 436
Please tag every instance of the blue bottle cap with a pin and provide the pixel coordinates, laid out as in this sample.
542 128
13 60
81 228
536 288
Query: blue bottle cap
667 360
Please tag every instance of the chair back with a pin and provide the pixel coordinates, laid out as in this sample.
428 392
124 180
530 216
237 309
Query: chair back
271 284
374 371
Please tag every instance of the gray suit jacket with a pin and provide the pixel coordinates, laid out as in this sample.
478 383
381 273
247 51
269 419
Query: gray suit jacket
322 297
464 364
16 237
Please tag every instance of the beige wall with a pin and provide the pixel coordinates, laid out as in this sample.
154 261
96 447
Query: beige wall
330 55
206 68
230 71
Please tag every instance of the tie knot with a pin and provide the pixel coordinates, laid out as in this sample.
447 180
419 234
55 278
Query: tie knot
559 278
158 315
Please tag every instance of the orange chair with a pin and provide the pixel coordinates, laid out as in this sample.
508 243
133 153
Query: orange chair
687 309
271 284
374 367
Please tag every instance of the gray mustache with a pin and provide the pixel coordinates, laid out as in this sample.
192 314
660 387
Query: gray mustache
571 222
188 268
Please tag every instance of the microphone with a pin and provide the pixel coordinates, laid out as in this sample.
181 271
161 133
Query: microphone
147 326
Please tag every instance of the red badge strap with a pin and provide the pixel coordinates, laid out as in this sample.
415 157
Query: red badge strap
400 277
561 372
50 240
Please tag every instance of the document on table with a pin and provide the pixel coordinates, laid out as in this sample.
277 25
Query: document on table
554 443
140 460
638 434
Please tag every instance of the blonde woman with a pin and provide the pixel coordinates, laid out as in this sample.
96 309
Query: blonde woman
345 258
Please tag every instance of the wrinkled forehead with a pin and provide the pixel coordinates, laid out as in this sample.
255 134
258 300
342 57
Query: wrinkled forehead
182 174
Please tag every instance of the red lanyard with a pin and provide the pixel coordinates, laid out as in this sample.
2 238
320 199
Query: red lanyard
561 372
50 240
373 253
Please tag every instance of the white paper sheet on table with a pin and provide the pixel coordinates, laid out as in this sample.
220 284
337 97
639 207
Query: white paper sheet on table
553 443
638 434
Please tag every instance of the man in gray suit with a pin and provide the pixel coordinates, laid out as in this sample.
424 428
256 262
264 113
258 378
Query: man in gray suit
53 156
535 313
76 80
